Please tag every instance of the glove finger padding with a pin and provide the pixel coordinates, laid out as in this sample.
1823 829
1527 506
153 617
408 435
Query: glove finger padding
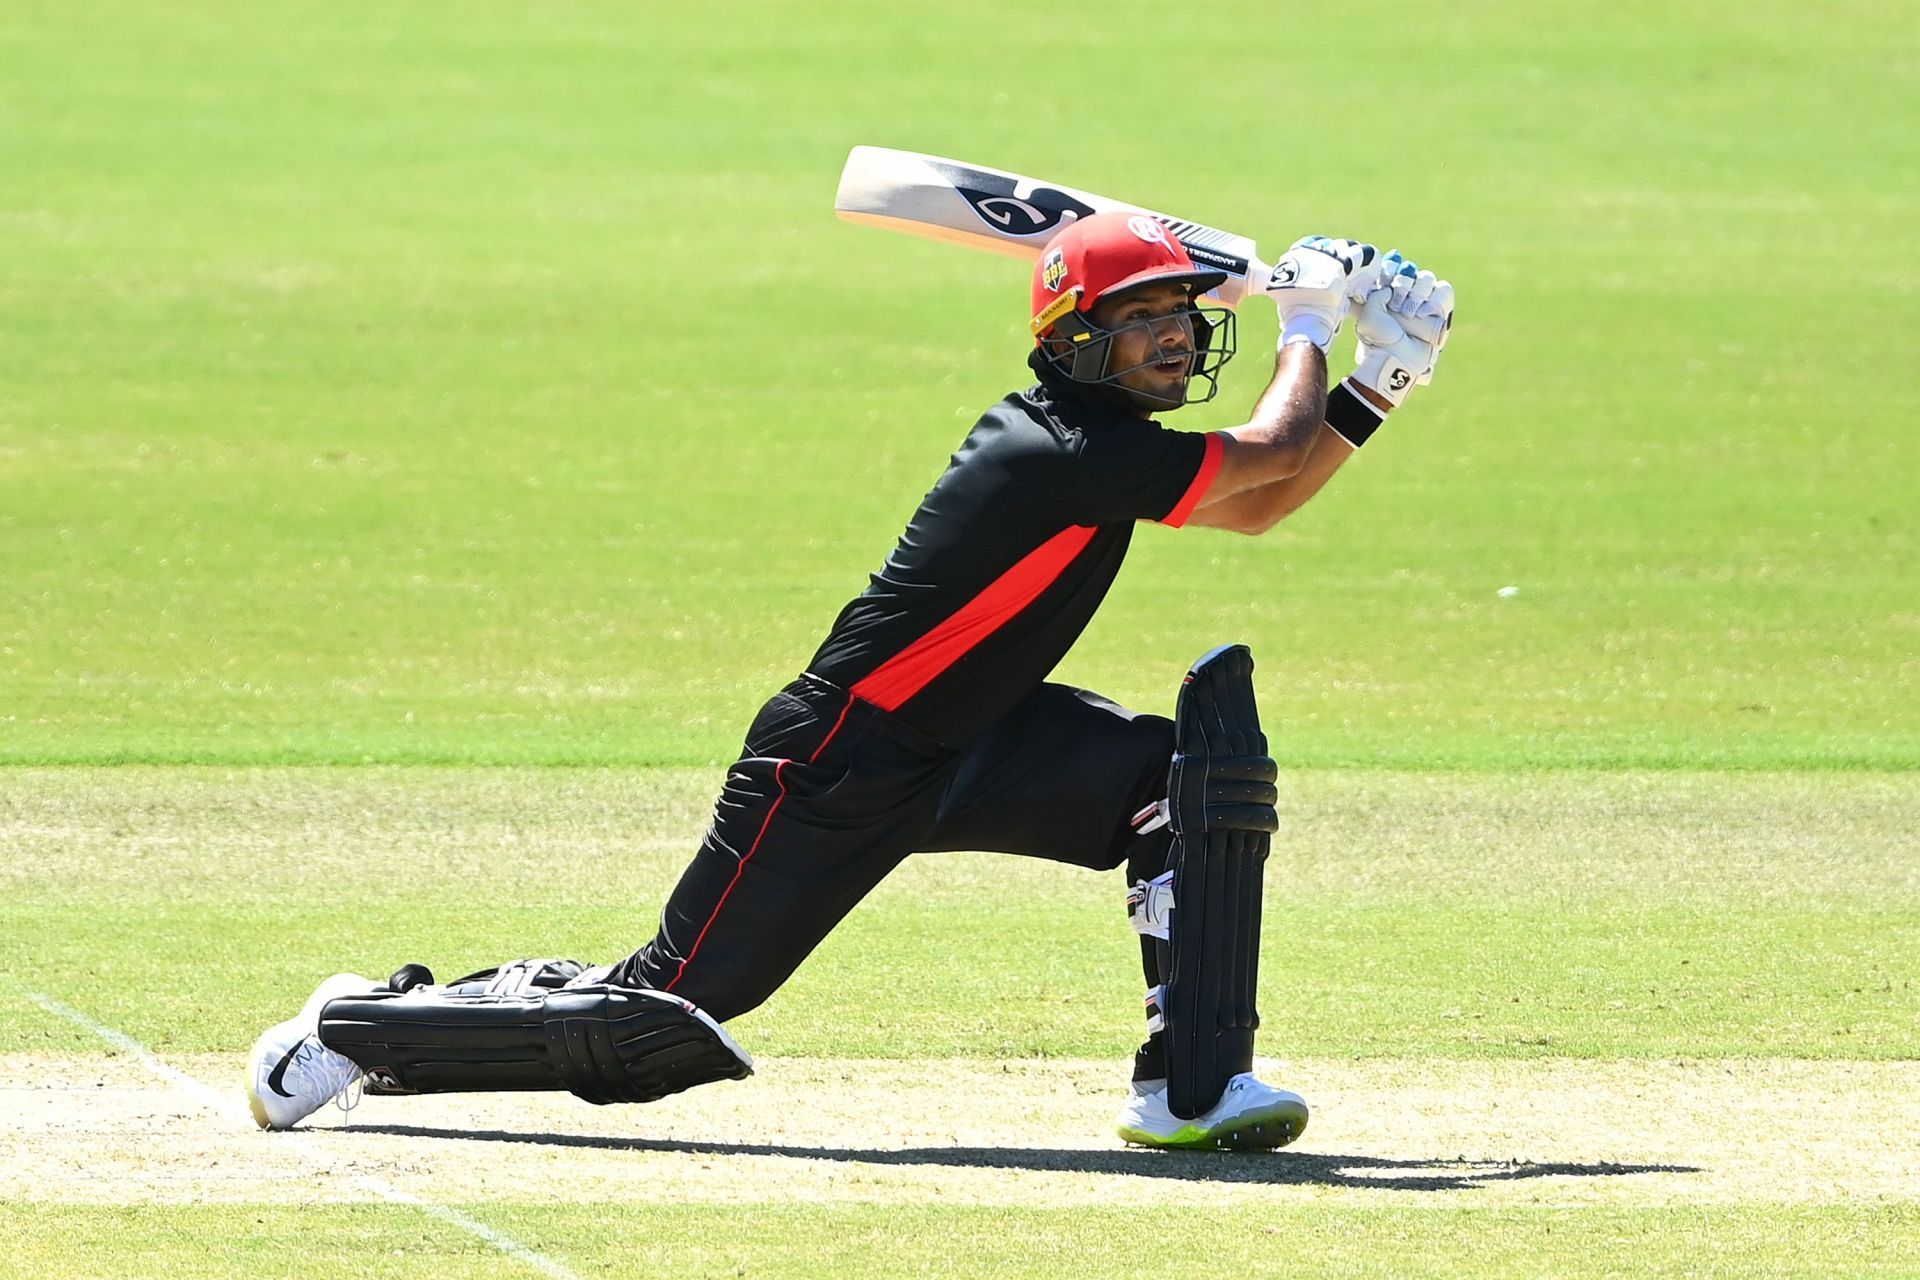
1435 314
1440 303
1373 324
1355 253
1310 286
1430 329
1398 346
1365 265
1411 292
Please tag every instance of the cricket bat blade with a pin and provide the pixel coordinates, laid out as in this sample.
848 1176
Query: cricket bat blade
999 212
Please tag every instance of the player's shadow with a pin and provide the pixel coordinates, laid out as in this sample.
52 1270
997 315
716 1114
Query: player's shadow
1274 1168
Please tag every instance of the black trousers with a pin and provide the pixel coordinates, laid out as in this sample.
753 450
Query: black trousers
831 793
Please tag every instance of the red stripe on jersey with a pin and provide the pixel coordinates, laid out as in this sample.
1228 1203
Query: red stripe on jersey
780 793
915 667
1202 480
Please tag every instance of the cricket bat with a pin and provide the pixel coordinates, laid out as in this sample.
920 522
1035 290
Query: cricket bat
999 212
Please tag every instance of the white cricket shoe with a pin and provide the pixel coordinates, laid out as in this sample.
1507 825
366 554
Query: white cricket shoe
290 1074
1249 1116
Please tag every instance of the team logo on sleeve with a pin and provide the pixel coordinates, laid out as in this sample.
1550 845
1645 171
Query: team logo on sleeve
1053 269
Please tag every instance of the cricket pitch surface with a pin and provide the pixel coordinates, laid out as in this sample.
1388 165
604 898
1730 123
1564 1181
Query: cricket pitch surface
1550 1132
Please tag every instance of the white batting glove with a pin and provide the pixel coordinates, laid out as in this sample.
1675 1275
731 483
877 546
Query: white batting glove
1314 283
1402 328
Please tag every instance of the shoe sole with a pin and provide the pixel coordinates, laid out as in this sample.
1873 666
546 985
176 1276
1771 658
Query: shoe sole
1264 1130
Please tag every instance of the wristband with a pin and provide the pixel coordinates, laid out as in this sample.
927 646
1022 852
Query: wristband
1351 416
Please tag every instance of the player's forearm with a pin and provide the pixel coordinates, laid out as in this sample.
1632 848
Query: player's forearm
1273 444
1352 413
1282 498
1289 411
1258 510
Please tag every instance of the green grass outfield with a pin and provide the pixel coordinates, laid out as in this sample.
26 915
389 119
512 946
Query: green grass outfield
1657 1016
489 386
421 384
1642 915
213 1242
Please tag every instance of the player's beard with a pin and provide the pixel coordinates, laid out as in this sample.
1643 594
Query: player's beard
1158 393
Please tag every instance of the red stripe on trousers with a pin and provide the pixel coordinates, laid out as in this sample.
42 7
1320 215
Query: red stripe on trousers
916 666
779 772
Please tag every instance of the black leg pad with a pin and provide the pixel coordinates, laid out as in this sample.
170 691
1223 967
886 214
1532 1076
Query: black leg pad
1222 792
603 1043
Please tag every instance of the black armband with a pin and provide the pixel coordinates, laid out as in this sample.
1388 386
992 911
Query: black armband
1352 417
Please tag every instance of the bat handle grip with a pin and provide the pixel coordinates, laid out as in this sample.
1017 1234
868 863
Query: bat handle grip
1237 289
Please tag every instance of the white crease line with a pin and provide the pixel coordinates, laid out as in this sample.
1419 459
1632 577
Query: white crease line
211 1097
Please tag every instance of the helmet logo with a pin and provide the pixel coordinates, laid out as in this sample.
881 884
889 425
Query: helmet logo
1148 229
1053 269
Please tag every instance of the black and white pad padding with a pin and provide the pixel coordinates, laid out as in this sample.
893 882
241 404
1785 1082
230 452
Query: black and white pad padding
1222 795
603 1043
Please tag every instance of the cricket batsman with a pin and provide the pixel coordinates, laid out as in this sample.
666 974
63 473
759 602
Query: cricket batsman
925 721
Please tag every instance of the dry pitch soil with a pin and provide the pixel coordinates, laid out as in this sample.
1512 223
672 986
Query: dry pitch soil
1550 1132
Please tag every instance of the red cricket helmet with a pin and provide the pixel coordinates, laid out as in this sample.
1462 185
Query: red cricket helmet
1102 254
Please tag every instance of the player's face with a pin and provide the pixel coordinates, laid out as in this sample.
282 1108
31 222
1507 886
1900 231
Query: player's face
1152 341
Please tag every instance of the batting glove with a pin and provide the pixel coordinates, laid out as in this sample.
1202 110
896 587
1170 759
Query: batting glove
1314 283
1402 327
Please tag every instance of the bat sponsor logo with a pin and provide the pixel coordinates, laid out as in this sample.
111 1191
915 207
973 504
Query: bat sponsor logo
1053 269
1205 257
1042 210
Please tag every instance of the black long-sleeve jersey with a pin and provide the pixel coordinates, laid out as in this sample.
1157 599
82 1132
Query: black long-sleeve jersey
1008 556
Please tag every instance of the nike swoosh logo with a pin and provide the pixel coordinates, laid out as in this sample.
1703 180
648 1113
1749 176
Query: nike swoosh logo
279 1071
